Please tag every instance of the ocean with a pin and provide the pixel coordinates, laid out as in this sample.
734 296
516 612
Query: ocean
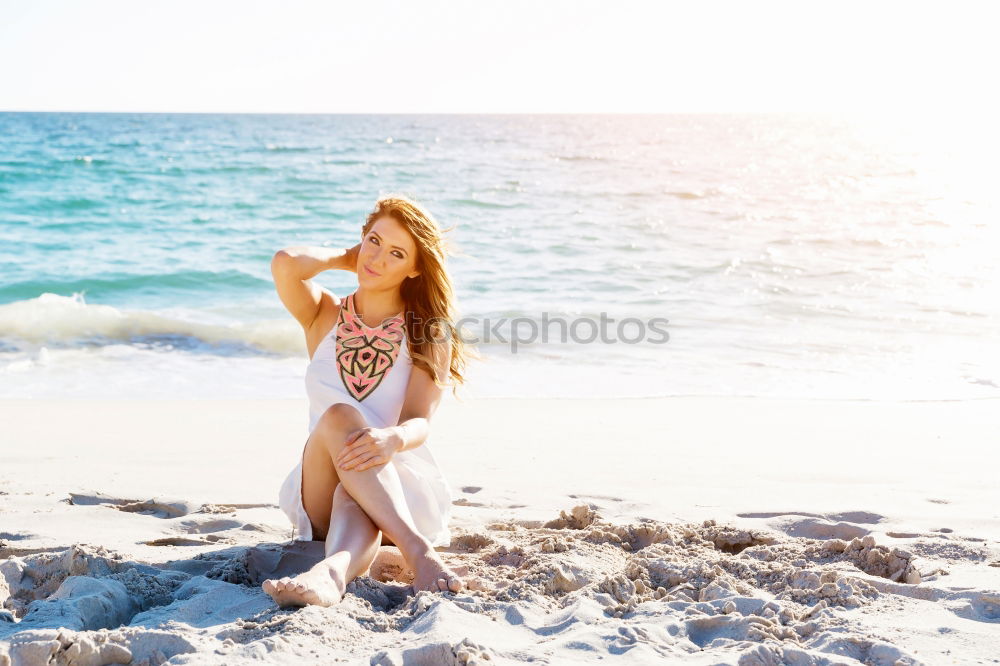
772 255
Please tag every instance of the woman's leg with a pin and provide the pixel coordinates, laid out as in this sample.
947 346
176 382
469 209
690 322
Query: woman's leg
353 532
377 490
380 493
351 544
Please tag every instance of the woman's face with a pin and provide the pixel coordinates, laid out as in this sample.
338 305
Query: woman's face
388 255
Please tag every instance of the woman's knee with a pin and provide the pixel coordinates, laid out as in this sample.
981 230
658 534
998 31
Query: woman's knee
333 427
327 438
340 416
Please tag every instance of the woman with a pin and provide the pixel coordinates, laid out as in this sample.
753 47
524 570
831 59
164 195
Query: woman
378 362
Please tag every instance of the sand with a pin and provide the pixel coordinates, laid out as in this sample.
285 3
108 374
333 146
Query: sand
687 530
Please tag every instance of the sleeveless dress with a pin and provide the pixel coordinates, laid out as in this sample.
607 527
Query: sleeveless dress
369 368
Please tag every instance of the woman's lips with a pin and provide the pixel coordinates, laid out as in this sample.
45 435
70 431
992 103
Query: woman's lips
371 272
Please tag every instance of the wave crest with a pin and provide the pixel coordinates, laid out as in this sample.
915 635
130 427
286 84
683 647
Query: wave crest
69 321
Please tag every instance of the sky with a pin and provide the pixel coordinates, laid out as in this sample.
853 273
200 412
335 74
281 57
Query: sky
482 56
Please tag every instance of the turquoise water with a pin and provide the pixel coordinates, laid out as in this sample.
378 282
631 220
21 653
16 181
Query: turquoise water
792 255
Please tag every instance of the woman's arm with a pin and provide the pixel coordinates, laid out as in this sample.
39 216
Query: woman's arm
422 398
412 432
292 268
307 261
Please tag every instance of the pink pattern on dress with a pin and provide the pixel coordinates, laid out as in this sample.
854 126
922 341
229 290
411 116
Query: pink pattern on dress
365 355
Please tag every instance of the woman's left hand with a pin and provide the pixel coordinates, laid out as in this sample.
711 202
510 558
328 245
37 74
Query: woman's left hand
368 447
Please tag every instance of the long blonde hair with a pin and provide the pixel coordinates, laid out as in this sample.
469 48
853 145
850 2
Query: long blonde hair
429 297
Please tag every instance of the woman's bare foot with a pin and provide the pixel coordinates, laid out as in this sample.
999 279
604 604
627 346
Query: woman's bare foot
430 573
389 565
323 585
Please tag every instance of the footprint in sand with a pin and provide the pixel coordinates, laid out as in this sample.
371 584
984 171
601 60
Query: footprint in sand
211 525
176 541
12 536
160 507
157 506
469 490
609 498
201 521
812 528
446 654
775 514
820 526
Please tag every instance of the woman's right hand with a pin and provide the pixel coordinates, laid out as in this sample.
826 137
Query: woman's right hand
350 259
343 259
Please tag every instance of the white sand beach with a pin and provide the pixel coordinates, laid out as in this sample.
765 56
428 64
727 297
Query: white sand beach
680 530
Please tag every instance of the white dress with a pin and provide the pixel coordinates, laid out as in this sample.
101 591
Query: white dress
369 368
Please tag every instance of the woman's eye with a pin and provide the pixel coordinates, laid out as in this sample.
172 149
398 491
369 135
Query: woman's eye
397 254
374 240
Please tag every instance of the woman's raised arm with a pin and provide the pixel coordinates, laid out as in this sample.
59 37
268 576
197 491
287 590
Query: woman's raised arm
310 260
292 269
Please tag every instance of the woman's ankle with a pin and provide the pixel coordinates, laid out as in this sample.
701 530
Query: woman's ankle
415 548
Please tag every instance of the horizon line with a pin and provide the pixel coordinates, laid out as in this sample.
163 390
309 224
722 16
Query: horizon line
450 113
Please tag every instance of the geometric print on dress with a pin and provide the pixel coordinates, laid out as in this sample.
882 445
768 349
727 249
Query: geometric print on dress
365 355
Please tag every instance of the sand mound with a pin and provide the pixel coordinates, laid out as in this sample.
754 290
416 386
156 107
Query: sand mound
648 588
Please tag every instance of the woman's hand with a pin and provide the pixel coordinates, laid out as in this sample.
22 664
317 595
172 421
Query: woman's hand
345 259
349 262
369 447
